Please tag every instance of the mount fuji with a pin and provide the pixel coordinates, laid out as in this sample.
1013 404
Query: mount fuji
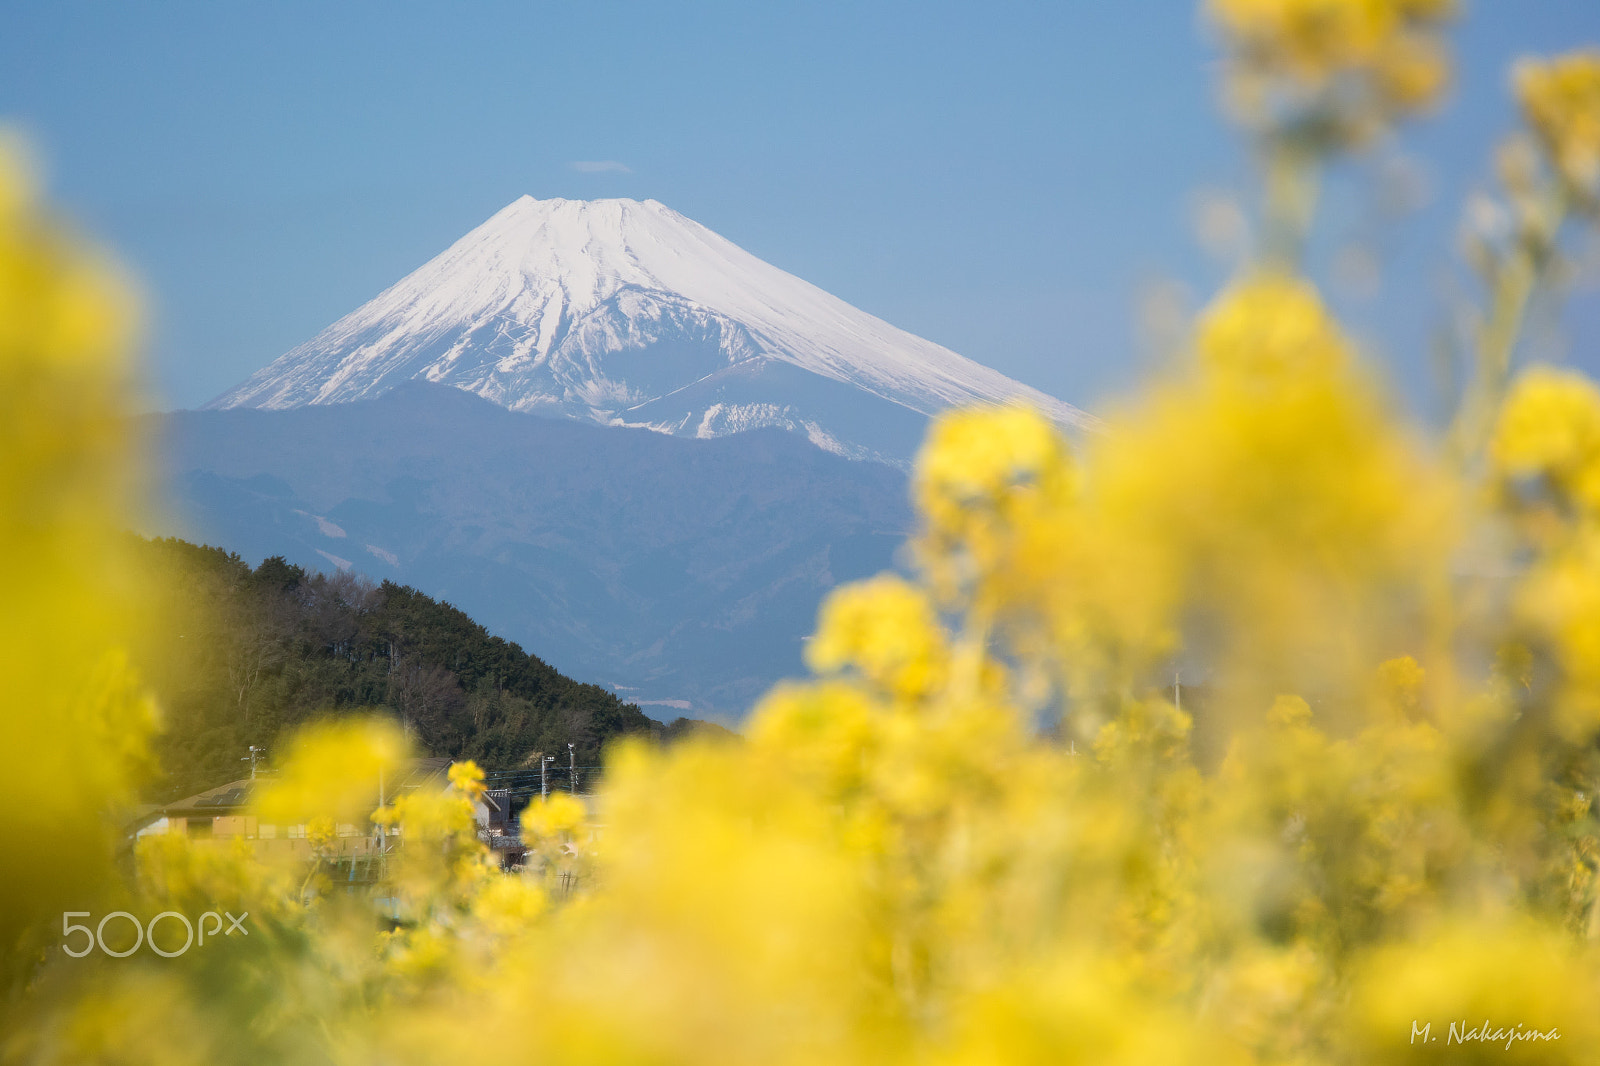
626 313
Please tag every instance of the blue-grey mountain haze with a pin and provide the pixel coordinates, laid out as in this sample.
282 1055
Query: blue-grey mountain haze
679 570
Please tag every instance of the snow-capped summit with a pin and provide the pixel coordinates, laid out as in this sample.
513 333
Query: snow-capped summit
626 312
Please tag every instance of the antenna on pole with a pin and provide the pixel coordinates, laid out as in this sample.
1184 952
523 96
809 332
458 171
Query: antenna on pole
255 753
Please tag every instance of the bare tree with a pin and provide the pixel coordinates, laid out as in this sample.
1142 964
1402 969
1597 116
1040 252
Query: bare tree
423 694
333 605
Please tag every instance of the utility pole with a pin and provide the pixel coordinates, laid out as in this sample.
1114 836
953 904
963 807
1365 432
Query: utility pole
1177 689
255 753
572 766
544 785
382 830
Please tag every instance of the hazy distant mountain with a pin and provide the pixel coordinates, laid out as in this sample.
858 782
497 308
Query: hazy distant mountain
628 313
671 569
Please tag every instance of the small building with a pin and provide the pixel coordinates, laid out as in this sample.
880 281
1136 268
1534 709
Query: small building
498 826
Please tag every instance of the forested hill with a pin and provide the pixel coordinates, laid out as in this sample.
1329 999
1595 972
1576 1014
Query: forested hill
240 656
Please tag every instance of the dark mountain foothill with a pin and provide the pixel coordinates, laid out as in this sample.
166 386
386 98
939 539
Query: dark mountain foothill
244 655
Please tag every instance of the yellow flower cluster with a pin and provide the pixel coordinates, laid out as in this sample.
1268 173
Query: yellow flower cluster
1549 429
1376 60
1215 489
1550 175
467 778
977 469
554 818
1491 981
1271 332
336 771
61 309
71 739
1546 455
885 629
1560 99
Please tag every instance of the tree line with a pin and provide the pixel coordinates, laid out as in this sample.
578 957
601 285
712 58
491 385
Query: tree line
239 655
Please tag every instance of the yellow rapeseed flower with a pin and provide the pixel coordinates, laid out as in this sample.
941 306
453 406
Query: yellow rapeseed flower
1560 100
1272 329
467 779
1363 63
1549 427
75 724
335 769
886 629
554 818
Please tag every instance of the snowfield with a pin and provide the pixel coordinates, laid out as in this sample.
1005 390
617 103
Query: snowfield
627 313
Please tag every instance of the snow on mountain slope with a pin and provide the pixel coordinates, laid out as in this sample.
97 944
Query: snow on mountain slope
628 313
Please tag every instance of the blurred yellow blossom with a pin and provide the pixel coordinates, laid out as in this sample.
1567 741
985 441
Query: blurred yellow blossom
467 779
1374 60
335 770
973 457
1399 682
1550 177
1561 101
887 630
1273 330
1550 428
1495 979
73 735
1317 39
554 818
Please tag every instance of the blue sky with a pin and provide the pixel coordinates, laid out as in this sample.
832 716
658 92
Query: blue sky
1004 178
